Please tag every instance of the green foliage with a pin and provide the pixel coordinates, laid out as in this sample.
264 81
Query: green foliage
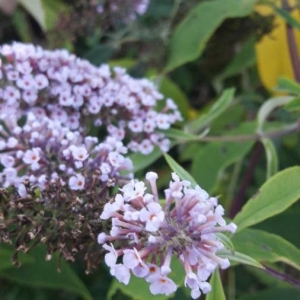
217 287
288 85
192 34
211 159
276 195
218 107
140 161
5 258
41 273
240 258
266 247
179 170
273 293
272 158
171 90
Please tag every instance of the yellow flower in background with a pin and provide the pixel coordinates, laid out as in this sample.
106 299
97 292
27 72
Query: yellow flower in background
272 52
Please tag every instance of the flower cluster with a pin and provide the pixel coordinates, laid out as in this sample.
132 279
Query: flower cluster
147 235
43 151
124 10
75 93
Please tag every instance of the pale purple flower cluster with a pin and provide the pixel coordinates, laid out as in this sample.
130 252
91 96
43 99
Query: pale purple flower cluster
75 93
43 151
147 235
126 10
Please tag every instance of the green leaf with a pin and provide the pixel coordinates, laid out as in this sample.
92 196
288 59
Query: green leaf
240 258
274 294
138 288
192 34
217 292
219 106
225 240
35 8
244 59
6 253
266 247
180 135
171 90
268 107
126 63
21 24
53 10
213 158
272 158
294 105
286 15
45 274
141 161
286 84
283 225
99 53
179 170
276 195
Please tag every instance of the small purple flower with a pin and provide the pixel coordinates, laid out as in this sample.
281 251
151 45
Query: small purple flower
149 234
43 150
76 93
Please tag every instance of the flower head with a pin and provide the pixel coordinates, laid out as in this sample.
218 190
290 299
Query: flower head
75 93
150 234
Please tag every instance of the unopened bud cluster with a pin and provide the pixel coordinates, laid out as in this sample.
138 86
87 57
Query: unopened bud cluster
66 223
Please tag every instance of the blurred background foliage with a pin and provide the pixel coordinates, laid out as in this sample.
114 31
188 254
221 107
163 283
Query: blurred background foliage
193 50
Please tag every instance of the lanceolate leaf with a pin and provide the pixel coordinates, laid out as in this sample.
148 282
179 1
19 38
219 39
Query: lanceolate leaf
192 34
219 106
35 8
272 158
225 240
179 170
217 292
266 247
238 257
268 107
276 195
180 135
289 85
294 105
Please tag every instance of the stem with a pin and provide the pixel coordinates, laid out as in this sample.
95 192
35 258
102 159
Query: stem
292 44
231 284
240 197
250 137
292 281
233 184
